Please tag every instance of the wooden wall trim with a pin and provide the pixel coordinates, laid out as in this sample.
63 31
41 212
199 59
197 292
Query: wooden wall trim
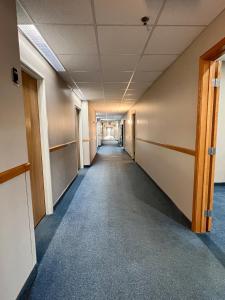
13 172
61 146
171 147
89 139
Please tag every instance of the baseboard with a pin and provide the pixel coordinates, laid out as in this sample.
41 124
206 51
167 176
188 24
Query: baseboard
86 166
25 291
219 183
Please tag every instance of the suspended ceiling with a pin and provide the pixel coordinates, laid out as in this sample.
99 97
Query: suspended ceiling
107 51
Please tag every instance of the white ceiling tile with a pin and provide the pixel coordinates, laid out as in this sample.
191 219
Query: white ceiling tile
86 85
121 40
138 85
172 39
60 12
86 76
115 85
134 93
93 95
70 39
113 95
155 62
80 62
190 12
109 76
22 16
119 62
145 76
126 11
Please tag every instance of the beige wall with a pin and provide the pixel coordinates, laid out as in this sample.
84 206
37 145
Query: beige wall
167 114
61 103
220 147
92 131
17 250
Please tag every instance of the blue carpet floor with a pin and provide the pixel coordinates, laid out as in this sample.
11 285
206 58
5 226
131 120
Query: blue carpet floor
215 240
120 237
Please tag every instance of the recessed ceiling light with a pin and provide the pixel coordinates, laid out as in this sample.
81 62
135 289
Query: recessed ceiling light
34 36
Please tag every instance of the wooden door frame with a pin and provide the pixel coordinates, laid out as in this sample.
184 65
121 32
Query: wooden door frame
43 119
207 113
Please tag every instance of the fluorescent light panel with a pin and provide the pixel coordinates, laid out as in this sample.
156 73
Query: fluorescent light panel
34 36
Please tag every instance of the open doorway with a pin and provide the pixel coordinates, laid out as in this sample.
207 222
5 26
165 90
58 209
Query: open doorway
133 135
77 137
34 145
209 195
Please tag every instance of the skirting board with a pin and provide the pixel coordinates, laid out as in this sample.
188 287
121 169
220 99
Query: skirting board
25 291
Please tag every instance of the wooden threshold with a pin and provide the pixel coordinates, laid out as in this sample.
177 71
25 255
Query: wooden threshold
13 172
171 147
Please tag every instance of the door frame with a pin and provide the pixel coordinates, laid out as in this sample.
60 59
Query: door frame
43 119
80 137
133 121
81 163
206 131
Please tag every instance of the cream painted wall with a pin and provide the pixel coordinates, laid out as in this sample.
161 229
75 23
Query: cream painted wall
220 147
128 143
167 114
92 131
61 102
17 246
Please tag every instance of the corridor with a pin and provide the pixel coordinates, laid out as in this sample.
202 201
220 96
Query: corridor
122 238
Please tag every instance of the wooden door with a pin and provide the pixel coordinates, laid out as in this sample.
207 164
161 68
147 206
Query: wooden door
213 102
34 145
77 128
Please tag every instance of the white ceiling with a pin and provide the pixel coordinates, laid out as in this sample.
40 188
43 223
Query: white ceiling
105 48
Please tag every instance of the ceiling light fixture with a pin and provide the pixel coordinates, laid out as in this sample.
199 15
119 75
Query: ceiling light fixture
33 35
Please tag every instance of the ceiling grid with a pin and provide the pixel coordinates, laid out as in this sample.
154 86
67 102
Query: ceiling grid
109 56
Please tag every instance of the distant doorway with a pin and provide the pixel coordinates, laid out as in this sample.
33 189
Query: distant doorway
32 122
77 137
133 135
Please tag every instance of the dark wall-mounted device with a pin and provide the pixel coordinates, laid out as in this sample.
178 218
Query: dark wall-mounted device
15 76
145 20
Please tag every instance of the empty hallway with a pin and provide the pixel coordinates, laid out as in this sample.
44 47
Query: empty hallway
112 149
122 238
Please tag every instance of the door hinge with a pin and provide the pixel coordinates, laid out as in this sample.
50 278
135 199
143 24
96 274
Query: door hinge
208 213
211 150
216 82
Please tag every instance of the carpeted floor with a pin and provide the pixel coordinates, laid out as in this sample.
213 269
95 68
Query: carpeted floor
215 240
120 237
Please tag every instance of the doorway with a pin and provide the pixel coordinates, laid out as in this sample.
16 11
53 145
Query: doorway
122 135
77 137
206 138
133 135
32 123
